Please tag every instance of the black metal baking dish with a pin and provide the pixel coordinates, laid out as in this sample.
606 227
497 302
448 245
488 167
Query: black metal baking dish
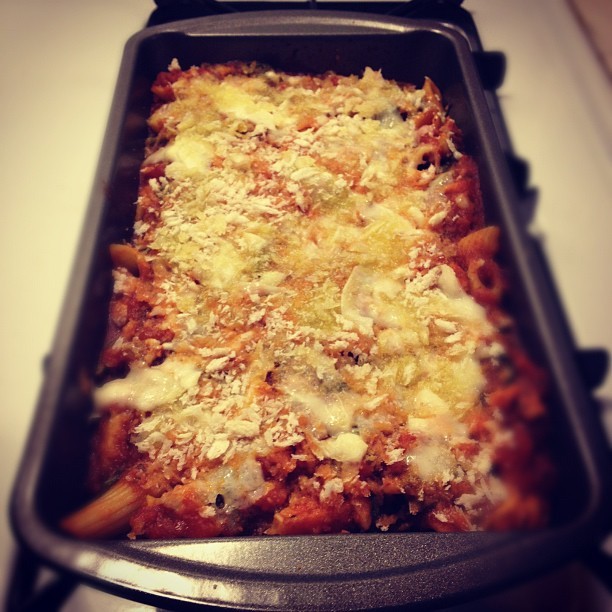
339 572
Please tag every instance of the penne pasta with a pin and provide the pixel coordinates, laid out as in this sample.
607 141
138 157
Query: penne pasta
126 256
485 280
107 515
482 243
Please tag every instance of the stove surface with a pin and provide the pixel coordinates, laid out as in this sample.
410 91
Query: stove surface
59 76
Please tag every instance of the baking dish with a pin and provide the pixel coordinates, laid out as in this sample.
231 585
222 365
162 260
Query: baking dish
340 572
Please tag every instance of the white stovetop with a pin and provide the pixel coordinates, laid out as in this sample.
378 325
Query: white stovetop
60 61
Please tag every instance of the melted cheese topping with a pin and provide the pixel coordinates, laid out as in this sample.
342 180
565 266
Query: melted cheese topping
150 388
305 282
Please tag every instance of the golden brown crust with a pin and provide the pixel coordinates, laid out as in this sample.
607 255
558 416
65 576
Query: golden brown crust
310 319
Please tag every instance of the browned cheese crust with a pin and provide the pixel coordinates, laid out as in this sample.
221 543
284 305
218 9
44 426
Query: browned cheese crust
306 333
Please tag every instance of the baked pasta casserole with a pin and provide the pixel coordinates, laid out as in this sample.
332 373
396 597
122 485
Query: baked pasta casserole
307 331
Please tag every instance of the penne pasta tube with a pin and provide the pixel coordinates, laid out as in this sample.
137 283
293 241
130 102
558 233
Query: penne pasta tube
483 243
486 281
126 256
108 514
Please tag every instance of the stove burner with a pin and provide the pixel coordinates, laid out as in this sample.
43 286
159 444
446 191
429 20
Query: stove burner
448 10
26 591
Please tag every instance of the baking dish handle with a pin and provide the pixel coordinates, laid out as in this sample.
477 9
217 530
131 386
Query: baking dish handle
446 11
221 6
